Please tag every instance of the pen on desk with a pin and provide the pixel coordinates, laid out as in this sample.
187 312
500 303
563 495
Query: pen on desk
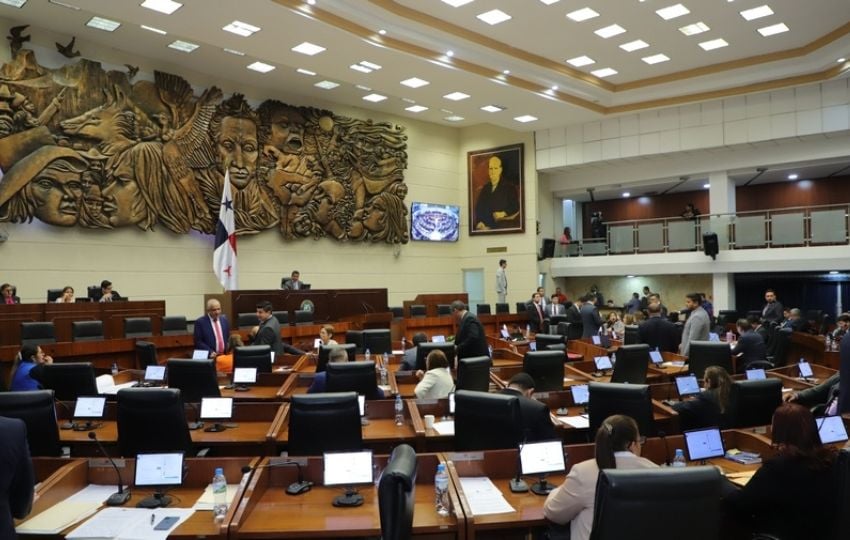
152 518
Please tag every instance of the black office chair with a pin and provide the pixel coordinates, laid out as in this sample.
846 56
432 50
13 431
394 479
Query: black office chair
253 356
398 312
86 330
145 354
152 420
303 317
53 295
377 341
444 309
502 308
36 409
356 377
321 423
635 400
417 310
173 325
474 373
727 316
396 494
574 330
709 353
482 309
324 353
546 368
355 337
37 333
477 415
632 364
195 379
752 403
521 307
544 340
94 292
282 317
782 343
630 335
625 499
69 380
247 320
138 327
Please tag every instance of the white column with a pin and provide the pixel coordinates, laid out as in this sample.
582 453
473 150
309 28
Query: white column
723 291
721 196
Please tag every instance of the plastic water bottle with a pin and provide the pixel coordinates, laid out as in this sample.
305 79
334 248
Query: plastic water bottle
399 411
383 370
219 488
441 490
613 358
368 355
403 343
114 368
527 331
679 458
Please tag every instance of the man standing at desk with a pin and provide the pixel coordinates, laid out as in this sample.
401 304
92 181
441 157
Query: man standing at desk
469 339
212 330
16 477
502 282
269 331
590 319
772 310
697 326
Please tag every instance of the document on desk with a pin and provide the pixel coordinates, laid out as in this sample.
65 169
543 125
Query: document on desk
578 422
128 524
740 478
484 497
72 510
445 427
205 501
106 385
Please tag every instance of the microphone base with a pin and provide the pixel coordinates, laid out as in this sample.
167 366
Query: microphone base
156 501
118 499
518 485
350 499
215 428
241 388
542 488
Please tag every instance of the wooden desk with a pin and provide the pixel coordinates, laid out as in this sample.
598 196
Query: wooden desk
299 383
328 304
199 473
812 349
428 439
266 511
501 375
821 373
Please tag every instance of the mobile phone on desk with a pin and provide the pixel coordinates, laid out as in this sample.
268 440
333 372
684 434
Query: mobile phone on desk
166 523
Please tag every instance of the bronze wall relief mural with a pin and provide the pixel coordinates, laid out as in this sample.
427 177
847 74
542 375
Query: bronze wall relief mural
84 147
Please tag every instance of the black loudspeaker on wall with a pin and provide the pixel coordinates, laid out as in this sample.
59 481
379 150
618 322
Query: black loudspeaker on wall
709 244
548 248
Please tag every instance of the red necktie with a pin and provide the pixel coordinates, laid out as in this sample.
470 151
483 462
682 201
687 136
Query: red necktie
219 340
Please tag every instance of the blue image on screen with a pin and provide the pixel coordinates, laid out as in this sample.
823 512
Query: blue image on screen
434 222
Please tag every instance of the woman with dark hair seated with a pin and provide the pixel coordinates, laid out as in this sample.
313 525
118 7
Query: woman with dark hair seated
793 495
26 372
618 446
707 408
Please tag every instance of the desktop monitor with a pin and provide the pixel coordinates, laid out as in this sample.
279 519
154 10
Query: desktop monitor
713 336
353 377
704 444
831 429
158 471
321 423
756 374
603 363
546 368
423 349
434 222
632 400
601 340
706 353
253 356
324 353
200 354
196 379
632 363
348 469
656 358
244 376
154 376
69 380
580 394
476 414
88 408
540 458
216 409
687 385
805 370
438 338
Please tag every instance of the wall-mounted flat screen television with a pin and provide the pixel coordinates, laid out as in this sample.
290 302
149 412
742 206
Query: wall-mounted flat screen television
434 222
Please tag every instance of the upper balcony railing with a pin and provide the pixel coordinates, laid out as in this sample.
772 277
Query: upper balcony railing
800 226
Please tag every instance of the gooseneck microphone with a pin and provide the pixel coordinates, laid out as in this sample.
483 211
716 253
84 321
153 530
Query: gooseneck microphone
122 496
295 488
517 484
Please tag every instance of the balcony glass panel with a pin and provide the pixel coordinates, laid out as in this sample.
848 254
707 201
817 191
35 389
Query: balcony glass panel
593 248
681 235
622 239
650 237
749 231
829 226
787 229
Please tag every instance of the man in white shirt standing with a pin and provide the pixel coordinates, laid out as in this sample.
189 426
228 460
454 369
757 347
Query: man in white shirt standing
502 282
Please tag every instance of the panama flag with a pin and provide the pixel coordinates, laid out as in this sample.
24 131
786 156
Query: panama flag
224 256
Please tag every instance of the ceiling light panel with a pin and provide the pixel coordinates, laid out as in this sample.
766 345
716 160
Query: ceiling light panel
714 44
260 67
415 82
634 45
604 72
671 12
361 69
154 30
308 48
454 118
494 17
163 6
457 3
525 118
307 72
374 98
361 87
694 29
14 3
183 46
757 12
610 31
416 108
582 14
492 108
655 58
241 28
550 2
773 29
456 96
371 65
234 52
64 5
103 24
579 61
326 85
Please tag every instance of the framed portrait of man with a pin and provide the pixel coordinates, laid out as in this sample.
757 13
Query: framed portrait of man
496 190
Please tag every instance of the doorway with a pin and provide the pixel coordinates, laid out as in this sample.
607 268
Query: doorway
473 286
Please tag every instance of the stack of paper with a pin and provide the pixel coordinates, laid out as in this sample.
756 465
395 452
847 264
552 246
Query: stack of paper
106 385
72 510
129 524
446 427
484 497
578 422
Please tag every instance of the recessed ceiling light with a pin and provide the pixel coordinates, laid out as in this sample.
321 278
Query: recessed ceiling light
163 6
415 82
671 12
154 30
655 58
706 186
234 52
64 5
456 96
261 67
604 72
326 85
626 194
454 118
549 2
308 48
525 118
241 28
311 2
694 29
103 24
416 108
494 16
303 71
582 14
793 176
610 31
773 29
634 45
14 3
382 32
450 53
508 72
492 108
361 69
374 98
184 46
371 65
579 61
361 87
456 3
841 60
756 12
833 272
408 100
714 44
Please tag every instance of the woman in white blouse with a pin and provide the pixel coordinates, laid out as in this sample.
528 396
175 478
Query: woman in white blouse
617 447
67 296
437 382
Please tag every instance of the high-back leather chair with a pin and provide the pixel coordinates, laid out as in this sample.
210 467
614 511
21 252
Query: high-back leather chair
502 307
396 494
69 380
145 354
355 337
303 317
37 333
752 403
282 317
36 409
625 499
474 373
173 325
481 309
444 309
247 320
86 330
417 310
842 476
152 420
138 327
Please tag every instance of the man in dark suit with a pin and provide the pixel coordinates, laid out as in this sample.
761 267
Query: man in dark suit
772 310
759 329
555 307
658 332
293 282
590 319
212 330
821 394
470 339
794 320
269 331
536 421
536 314
750 347
16 476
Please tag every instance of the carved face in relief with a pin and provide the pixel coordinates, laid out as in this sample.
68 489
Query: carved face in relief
122 202
287 131
375 215
56 191
237 145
